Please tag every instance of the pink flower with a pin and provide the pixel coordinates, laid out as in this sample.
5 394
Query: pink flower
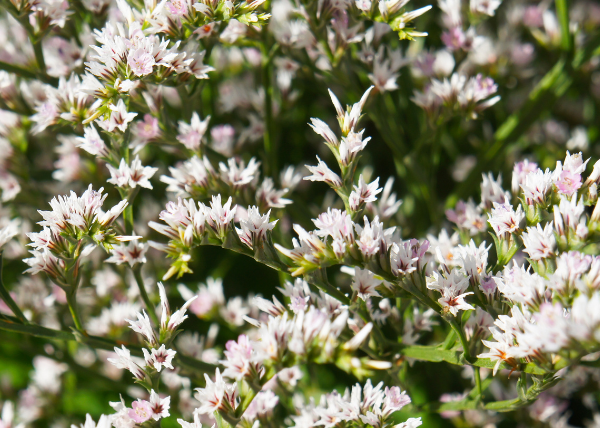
148 129
177 7
454 39
568 183
141 411
141 62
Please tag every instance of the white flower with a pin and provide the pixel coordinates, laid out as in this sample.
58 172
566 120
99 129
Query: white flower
103 422
92 143
372 237
351 145
567 214
504 219
159 358
238 356
519 285
520 171
444 247
194 172
485 7
124 361
298 293
238 175
467 216
536 185
254 229
348 119
364 5
210 295
335 223
191 135
321 172
9 231
131 176
216 395
410 423
234 311
143 327
364 283
111 215
218 216
268 195
262 405
573 163
502 350
134 252
453 289
8 416
170 321
402 259
474 259
121 418
324 131
290 178
196 424
119 118
55 10
364 193
47 373
491 191
160 406
387 206
539 243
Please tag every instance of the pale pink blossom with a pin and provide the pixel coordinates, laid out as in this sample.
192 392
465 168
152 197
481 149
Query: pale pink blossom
141 411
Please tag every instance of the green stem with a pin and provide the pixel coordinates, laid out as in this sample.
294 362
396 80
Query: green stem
128 212
239 411
137 273
477 374
318 278
17 69
463 339
529 396
450 340
72 303
270 143
562 11
8 298
39 53
95 342
128 219
437 354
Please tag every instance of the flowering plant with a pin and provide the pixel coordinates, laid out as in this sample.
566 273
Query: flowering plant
192 242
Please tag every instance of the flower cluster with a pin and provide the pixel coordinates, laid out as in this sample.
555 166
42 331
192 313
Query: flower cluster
197 178
74 227
293 297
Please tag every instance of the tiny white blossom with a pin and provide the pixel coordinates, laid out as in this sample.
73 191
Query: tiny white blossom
364 283
254 229
321 172
504 219
159 358
190 135
539 243
364 193
160 406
